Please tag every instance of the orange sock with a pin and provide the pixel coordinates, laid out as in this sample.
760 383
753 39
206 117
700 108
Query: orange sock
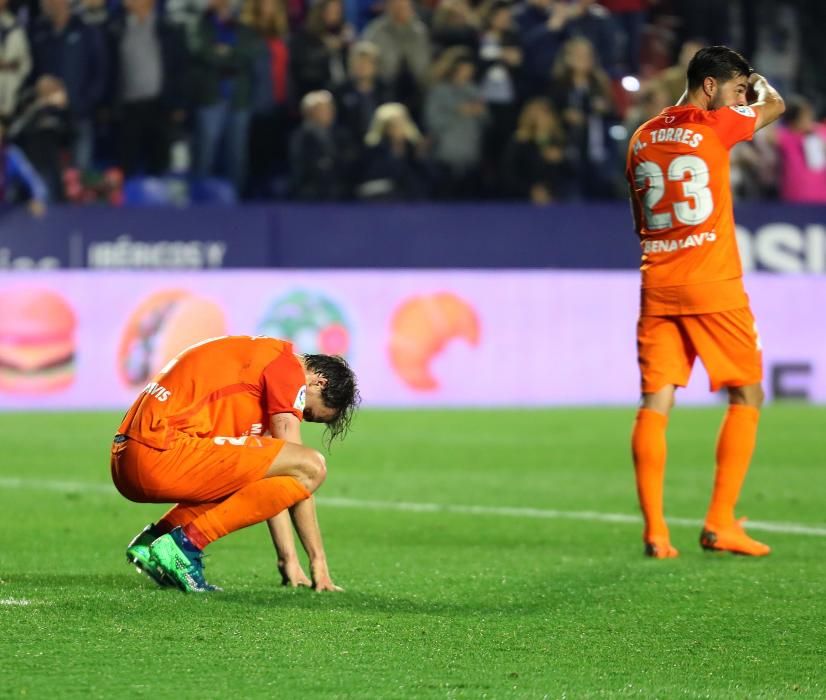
252 504
735 445
649 450
182 514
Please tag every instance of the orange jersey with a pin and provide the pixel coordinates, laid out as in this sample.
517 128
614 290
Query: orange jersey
226 386
678 171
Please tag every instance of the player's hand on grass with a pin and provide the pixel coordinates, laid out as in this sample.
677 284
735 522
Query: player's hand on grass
322 580
293 575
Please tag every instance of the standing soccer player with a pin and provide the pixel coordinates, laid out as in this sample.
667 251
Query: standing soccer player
217 432
693 301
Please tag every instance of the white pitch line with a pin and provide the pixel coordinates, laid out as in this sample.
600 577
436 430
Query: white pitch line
453 509
15 601
56 485
587 515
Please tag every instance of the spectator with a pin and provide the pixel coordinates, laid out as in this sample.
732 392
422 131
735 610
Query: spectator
500 61
581 90
270 123
812 78
15 61
358 99
297 11
532 14
394 166
651 99
542 43
185 14
150 64
456 117
590 20
404 49
319 51
801 143
535 165
777 42
455 24
707 18
94 13
673 79
359 13
43 131
317 167
630 17
64 47
755 166
17 173
223 58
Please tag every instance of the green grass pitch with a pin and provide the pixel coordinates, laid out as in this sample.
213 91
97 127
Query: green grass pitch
439 603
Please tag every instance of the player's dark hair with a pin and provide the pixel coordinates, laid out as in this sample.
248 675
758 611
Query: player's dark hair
340 394
718 62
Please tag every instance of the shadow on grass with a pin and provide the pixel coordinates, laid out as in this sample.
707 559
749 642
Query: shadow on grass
371 602
79 590
20 584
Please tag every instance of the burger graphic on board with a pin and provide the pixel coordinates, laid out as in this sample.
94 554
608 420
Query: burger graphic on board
37 341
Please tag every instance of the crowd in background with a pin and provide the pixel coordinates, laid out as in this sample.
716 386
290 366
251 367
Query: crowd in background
380 100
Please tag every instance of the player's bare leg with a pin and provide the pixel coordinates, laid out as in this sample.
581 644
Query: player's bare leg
304 464
735 446
295 473
648 446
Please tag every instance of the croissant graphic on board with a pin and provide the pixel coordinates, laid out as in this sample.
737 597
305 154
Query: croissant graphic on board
164 324
421 328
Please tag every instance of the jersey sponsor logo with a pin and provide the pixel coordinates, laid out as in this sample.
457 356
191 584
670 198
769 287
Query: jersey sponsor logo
300 399
743 110
669 246
157 391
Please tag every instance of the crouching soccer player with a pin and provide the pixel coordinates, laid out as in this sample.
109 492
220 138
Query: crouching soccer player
196 437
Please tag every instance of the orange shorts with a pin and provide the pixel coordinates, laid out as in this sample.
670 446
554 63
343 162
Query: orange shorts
194 470
726 341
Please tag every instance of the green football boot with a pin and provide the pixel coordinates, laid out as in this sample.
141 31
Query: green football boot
137 554
176 559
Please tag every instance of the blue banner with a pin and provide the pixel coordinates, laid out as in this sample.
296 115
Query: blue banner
772 237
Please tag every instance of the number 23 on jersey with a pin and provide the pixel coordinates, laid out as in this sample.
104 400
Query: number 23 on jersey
697 203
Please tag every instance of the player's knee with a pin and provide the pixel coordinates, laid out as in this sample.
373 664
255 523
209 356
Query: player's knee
756 396
759 396
661 401
314 469
752 395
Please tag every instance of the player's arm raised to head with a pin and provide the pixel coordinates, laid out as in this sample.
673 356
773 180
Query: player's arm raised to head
769 103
